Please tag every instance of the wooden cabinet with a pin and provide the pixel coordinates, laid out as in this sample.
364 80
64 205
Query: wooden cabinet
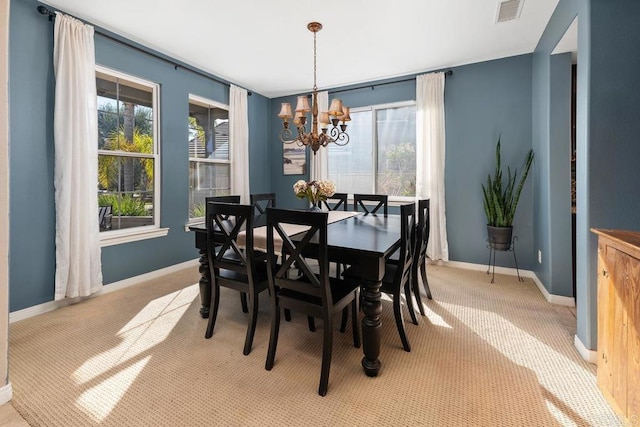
619 319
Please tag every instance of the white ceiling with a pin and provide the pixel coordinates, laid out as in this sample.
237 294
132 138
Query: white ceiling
264 46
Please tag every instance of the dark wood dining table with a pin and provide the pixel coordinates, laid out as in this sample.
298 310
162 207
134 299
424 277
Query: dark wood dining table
366 240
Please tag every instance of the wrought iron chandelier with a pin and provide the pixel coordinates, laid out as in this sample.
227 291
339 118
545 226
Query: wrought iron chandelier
337 113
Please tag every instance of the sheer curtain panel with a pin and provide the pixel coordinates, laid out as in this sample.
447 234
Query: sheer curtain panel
75 130
239 136
430 152
319 165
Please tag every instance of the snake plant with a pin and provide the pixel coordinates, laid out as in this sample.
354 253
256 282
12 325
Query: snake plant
501 196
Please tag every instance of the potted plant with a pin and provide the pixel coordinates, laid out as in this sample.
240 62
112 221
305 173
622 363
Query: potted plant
501 200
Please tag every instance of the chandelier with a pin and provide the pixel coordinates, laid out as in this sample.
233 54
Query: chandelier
337 113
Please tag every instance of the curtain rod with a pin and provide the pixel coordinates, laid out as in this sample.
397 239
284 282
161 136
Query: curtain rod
44 11
447 73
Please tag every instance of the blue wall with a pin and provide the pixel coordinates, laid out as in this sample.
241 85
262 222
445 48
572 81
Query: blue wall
32 245
481 101
610 171
607 137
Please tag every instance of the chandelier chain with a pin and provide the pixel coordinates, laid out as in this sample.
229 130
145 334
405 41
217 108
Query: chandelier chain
315 87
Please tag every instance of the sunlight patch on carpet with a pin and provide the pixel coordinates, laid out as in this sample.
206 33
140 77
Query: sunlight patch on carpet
554 371
99 401
150 327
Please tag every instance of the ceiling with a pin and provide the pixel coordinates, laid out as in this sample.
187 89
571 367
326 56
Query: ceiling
264 46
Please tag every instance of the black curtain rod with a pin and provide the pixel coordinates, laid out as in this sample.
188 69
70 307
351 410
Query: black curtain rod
447 73
44 11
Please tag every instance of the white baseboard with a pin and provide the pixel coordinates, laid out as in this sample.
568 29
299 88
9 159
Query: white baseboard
482 267
6 394
553 299
590 356
53 305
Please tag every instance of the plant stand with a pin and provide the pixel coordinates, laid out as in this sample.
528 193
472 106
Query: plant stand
492 254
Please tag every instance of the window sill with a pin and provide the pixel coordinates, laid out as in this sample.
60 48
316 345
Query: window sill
132 236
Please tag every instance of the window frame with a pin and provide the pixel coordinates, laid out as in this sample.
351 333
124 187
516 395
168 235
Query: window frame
115 237
210 104
374 152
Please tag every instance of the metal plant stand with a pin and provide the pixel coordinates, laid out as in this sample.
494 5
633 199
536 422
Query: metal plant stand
492 257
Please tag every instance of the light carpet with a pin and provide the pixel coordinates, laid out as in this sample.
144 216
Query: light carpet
485 355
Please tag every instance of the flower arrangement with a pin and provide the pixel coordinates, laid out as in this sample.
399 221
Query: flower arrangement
314 191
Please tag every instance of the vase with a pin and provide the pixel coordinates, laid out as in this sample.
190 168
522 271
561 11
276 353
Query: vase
315 207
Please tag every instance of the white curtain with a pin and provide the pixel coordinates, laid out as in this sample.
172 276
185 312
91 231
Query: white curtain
319 162
75 131
239 137
430 152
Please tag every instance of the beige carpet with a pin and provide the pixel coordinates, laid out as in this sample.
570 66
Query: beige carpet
486 355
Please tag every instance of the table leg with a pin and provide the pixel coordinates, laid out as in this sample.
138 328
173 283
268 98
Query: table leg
205 284
372 308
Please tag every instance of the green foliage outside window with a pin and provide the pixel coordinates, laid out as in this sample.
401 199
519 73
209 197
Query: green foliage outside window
123 204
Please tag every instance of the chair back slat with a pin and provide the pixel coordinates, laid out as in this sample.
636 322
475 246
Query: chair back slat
422 231
365 202
336 202
262 201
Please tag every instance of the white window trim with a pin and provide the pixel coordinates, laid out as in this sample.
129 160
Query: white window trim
116 237
397 200
216 104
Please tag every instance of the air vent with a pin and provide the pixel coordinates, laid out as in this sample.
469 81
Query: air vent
509 10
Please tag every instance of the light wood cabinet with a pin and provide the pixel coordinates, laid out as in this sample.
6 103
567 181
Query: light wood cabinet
619 319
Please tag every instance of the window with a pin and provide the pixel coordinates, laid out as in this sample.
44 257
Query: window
381 154
128 159
209 153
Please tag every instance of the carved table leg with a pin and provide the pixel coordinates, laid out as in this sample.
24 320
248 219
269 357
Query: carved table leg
205 284
372 308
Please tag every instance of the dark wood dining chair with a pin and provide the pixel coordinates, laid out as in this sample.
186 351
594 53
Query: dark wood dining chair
371 203
316 295
419 267
262 201
397 276
420 256
230 199
336 202
105 216
232 267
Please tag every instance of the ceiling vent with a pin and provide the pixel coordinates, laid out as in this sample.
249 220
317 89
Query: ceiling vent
509 10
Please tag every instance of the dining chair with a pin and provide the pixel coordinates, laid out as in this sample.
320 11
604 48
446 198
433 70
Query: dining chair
317 295
370 203
336 202
262 201
230 199
243 270
105 216
397 276
421 239
420 255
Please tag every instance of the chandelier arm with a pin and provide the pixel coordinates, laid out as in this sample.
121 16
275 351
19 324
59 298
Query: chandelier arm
286 136
339 137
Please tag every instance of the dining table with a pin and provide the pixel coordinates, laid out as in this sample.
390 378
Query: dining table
360 239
